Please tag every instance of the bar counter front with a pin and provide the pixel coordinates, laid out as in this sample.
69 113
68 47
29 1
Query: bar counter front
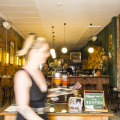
88 79
62 115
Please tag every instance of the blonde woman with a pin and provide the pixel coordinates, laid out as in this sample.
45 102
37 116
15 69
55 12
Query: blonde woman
29 83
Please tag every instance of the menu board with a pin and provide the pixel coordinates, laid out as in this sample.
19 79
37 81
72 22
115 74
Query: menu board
94 100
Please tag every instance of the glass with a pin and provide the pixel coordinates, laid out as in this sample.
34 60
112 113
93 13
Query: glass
65 82
57 81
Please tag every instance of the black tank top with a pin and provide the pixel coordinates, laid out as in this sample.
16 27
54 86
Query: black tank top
37 98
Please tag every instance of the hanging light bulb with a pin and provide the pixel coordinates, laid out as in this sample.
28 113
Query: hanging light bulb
53 54
91 50
64 49
52 50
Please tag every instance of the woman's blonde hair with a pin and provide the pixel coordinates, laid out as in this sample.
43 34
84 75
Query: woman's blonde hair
31 42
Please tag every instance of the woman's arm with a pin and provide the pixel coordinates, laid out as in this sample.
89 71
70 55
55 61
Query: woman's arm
22 84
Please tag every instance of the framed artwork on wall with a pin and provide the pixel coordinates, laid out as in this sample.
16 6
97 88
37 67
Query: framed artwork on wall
11 52
75 57
110 46
110 41
0 55
19 61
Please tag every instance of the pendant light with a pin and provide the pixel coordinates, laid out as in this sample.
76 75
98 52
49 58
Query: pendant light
7 26
52 50
64 49
91 49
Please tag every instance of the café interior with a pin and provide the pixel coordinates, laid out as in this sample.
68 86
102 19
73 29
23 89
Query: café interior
84 36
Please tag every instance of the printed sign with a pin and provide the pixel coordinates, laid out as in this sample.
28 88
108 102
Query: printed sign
94 100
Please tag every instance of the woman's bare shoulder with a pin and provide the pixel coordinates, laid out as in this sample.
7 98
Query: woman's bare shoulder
21 77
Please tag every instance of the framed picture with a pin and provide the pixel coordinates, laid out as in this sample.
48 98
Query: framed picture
75 104
0 55
20 61
110 41
11 52
75 57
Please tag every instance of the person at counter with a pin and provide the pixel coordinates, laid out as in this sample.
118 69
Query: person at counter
46 72
68 69
30 86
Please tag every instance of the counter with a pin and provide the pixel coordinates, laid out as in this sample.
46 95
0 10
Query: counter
11 115
87 79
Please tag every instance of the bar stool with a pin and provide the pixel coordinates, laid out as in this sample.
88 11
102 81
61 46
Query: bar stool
87 86
115 99
108 92
11 90
7 95
84 86
93 86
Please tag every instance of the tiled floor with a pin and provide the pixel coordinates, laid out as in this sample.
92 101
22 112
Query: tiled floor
116 116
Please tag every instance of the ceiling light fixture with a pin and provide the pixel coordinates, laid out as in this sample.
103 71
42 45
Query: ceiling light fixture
64 49
91 50
6 25
94 26
59 4
92 37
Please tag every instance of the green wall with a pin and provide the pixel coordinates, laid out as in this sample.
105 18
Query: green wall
103 40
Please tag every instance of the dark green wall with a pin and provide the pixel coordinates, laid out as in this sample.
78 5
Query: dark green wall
103 40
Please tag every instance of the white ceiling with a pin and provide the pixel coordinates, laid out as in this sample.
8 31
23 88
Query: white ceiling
40 15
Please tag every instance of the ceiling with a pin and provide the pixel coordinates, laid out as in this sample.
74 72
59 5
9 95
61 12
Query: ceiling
39 16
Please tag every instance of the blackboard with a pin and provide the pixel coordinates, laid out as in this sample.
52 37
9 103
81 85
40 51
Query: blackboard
94 99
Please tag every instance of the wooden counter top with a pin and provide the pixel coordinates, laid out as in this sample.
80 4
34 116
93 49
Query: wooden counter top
86 76
65 114
11 115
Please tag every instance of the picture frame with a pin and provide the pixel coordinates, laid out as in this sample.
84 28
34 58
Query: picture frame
0 55
75 104
20 62
11 52
75 57
110 41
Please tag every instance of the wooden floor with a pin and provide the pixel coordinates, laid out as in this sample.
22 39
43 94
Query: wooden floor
2 109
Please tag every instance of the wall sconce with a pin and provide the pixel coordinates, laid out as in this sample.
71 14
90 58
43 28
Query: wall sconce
91 50
23 61
7 58
17 60
7 26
